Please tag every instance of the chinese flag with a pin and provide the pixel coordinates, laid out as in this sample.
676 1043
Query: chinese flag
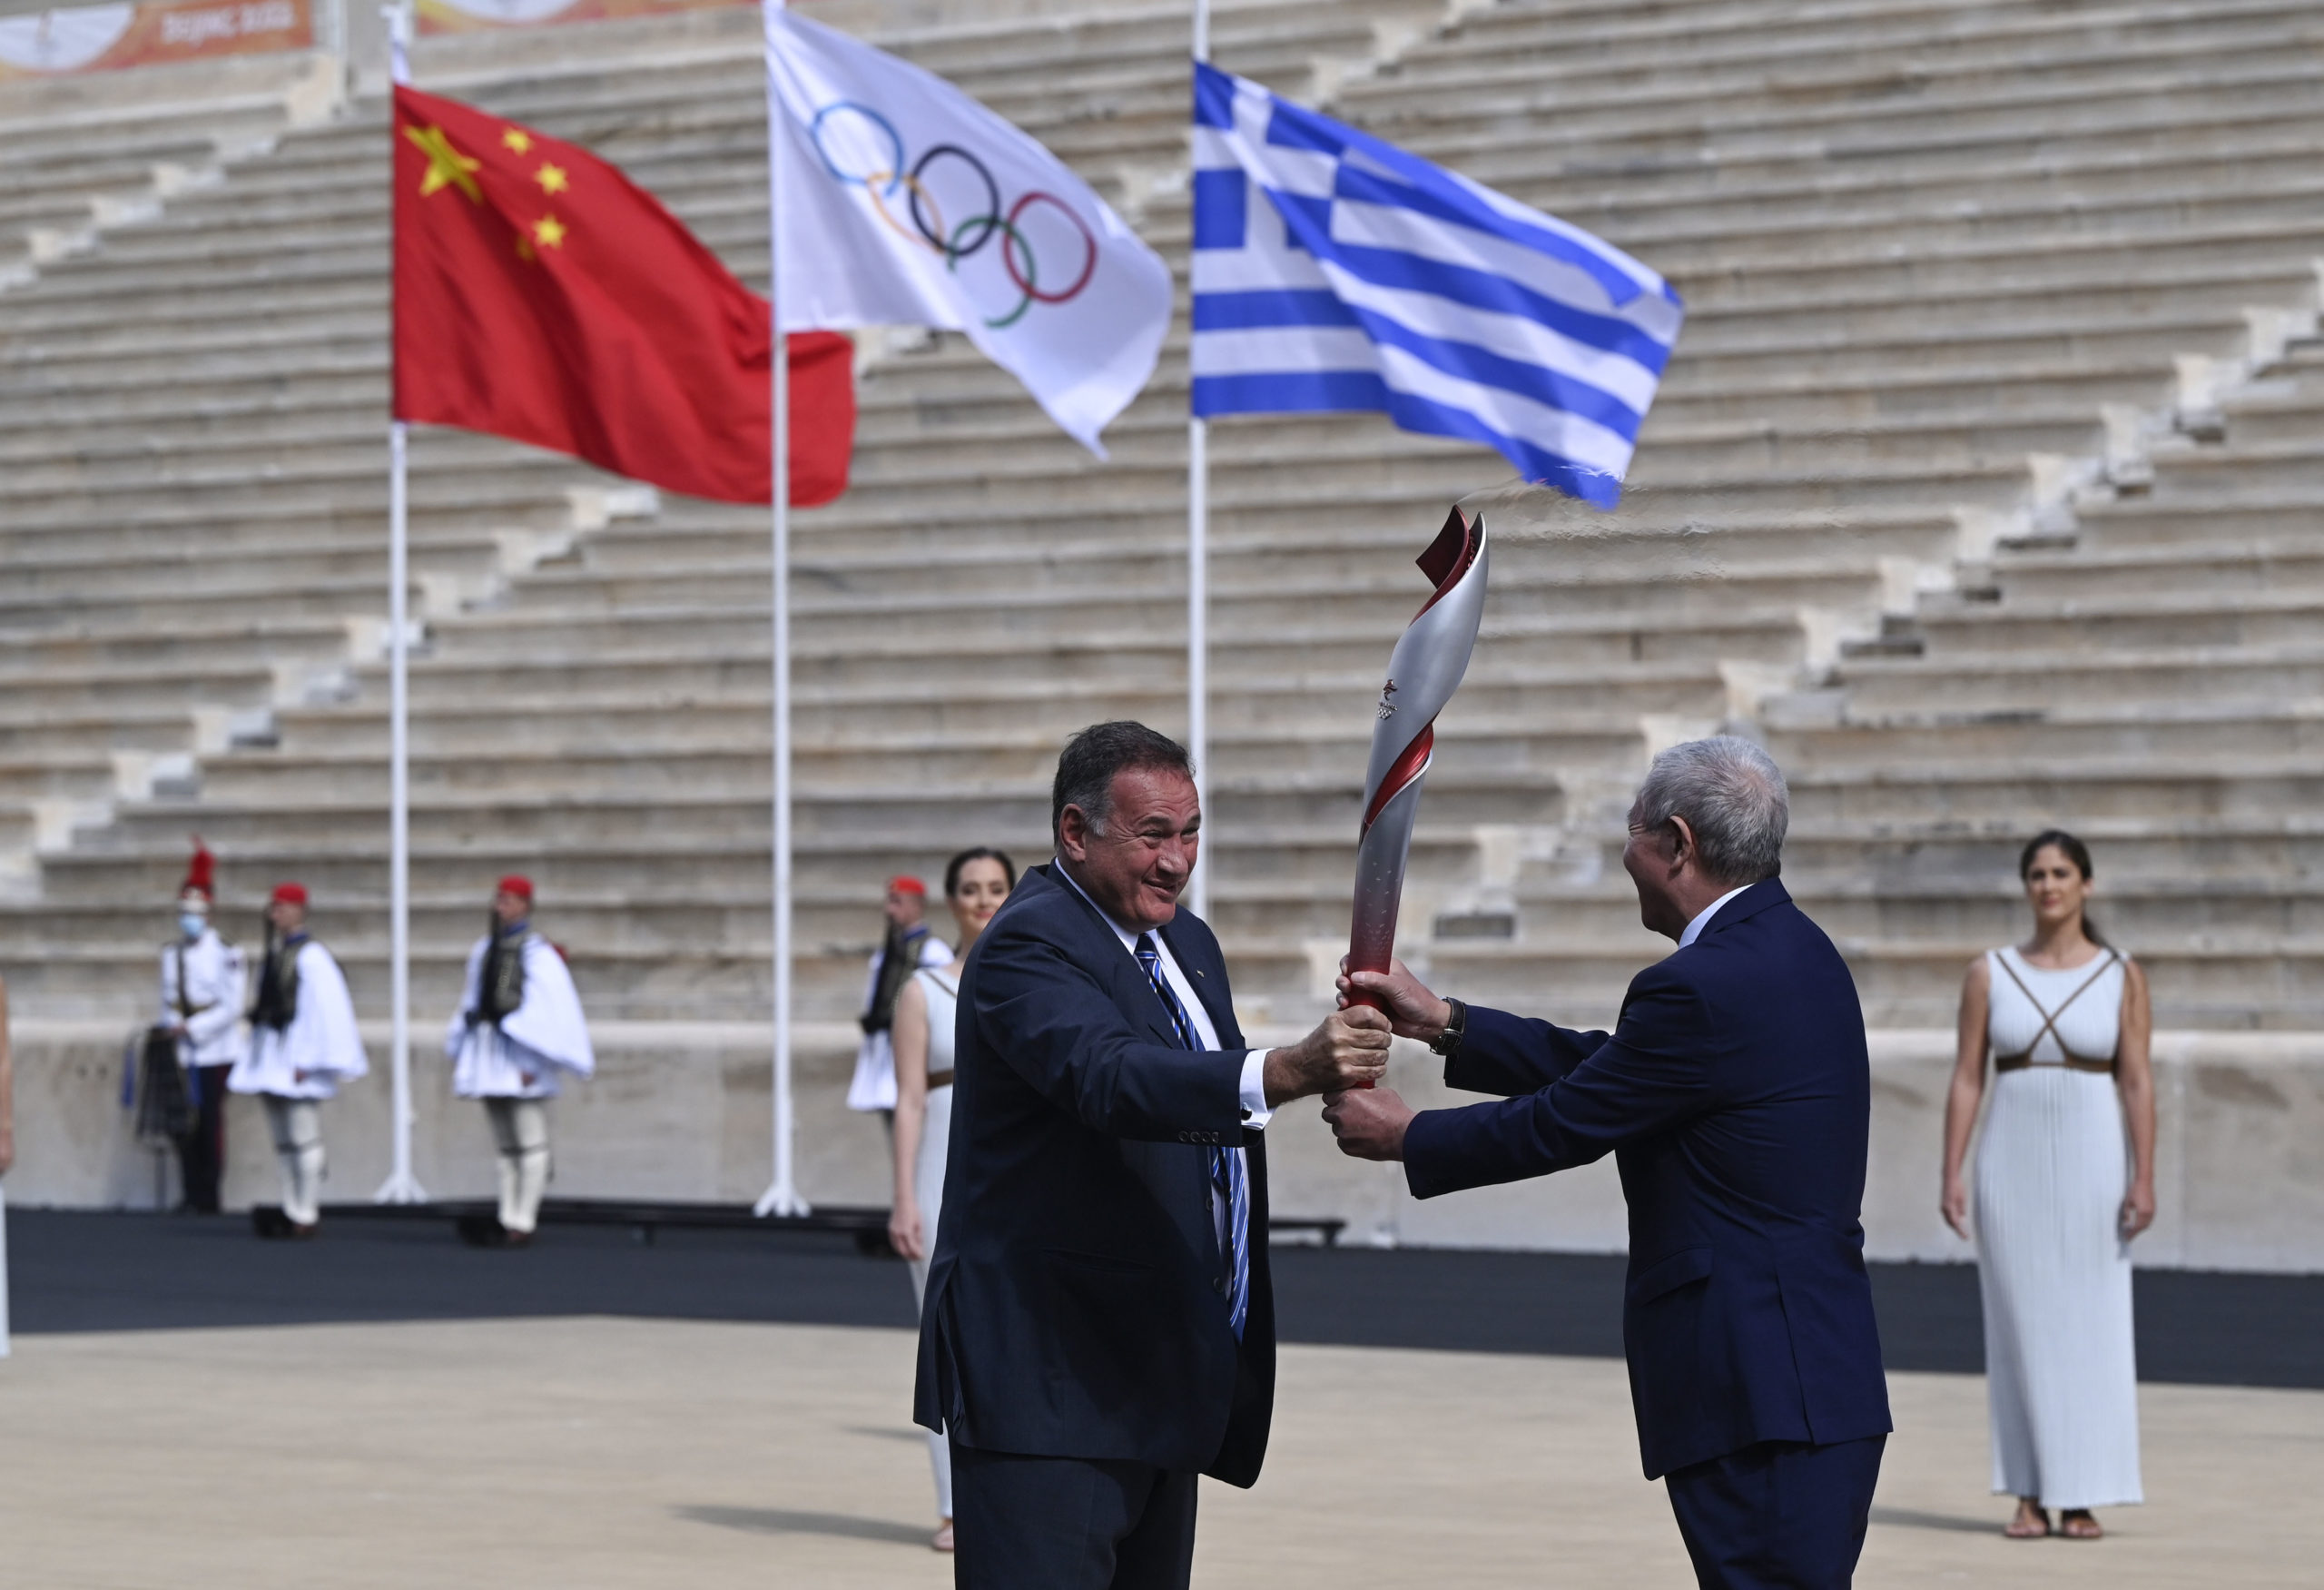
542 296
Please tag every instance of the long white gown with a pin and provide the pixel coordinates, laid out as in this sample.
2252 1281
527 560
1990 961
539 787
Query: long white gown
928 1175
2053 1166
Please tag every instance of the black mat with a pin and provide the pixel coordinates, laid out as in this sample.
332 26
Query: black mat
74 1271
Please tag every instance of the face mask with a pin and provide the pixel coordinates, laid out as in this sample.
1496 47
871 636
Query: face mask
192 923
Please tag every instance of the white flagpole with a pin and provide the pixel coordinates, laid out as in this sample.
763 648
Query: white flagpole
781 1198
401 1185
1199 597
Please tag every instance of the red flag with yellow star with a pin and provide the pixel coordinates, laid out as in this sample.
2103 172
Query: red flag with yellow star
540 295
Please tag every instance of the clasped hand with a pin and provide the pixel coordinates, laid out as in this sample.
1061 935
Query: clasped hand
1370 1125
1349 1049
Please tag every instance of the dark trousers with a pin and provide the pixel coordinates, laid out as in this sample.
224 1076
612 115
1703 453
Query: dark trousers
1782 1514
202 1151
1068 1524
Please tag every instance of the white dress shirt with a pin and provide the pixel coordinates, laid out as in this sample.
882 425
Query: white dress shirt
1702 918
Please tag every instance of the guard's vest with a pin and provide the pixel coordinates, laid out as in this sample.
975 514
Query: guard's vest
500 985
278 986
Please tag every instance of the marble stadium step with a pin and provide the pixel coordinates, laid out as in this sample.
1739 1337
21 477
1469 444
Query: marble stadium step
1829 75
477 786
1107 594
2264 619
2224 568
542 723
48 663
1921 242
59 734
2200 477
1933 744
660 866
1478 746
1848 110
1518 43
2257 519
727 657
2029 683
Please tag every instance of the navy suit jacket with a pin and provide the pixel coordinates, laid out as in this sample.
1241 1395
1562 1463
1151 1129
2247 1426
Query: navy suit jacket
1075 1307
1734 1094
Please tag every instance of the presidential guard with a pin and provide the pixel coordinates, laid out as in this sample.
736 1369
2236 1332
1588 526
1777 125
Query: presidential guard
303 1043
518 1025
201 1018
908 947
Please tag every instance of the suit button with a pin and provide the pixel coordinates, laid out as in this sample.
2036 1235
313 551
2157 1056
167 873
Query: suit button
1219 1285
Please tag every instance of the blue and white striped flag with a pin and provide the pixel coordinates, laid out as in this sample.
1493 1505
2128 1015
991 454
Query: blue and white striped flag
1371 279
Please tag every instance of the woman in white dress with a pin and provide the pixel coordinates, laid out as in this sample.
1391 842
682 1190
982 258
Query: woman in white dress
2059 1196
975 884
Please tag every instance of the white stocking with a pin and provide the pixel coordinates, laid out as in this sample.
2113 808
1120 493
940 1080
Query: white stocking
298 1129
520 1132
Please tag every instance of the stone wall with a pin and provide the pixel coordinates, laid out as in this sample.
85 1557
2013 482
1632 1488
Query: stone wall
683 1112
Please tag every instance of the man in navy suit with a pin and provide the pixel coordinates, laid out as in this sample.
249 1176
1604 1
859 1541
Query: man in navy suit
1734 1094
1098 1328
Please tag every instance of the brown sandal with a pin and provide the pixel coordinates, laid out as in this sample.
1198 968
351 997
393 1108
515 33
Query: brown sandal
2078 1524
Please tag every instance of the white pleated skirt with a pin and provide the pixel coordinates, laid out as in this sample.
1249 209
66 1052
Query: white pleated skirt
2061 1360
928 1187
927 1177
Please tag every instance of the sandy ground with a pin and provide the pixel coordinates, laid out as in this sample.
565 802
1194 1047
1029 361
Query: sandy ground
604 1452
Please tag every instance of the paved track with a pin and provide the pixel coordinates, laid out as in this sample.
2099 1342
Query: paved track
638 1454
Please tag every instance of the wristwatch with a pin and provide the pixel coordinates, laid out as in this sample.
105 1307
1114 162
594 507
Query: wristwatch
1455 1028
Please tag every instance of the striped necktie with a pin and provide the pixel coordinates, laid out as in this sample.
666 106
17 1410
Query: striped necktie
1228 1181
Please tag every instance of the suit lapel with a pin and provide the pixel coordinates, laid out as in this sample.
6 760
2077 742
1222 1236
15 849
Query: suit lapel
1132 992
1208 974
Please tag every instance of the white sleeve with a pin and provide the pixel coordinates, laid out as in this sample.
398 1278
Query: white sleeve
320 979
455 1032
1256 1110
549 1022
226 1008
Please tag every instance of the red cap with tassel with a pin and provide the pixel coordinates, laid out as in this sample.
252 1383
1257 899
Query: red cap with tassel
201 872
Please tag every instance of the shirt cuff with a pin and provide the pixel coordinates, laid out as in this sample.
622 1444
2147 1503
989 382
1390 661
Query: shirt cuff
1255 1111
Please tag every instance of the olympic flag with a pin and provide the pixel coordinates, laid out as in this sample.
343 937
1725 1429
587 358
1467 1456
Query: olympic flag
908 203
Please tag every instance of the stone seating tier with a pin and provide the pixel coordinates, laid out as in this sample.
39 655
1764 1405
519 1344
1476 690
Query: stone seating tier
1909 505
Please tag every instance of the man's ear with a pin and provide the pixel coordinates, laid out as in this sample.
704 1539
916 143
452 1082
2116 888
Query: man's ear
1682 843
1073 834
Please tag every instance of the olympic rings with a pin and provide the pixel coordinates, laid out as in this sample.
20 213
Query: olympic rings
1088 244
991 220
966 240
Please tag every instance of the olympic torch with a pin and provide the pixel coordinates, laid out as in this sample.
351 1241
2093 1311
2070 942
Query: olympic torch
1422 673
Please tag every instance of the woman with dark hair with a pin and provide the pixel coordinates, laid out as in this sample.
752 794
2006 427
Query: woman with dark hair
2066 1019
975 884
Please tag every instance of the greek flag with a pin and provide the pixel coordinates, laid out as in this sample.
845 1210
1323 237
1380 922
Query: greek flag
1371 279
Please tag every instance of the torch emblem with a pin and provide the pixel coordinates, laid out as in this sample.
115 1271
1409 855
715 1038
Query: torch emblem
1430 660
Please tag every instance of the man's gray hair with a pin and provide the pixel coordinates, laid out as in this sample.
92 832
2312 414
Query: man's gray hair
1732 794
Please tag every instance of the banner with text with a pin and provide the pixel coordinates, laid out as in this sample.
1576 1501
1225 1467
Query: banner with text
149 32
475 15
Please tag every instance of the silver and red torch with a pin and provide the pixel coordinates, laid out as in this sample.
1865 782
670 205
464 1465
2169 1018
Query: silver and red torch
1422 673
